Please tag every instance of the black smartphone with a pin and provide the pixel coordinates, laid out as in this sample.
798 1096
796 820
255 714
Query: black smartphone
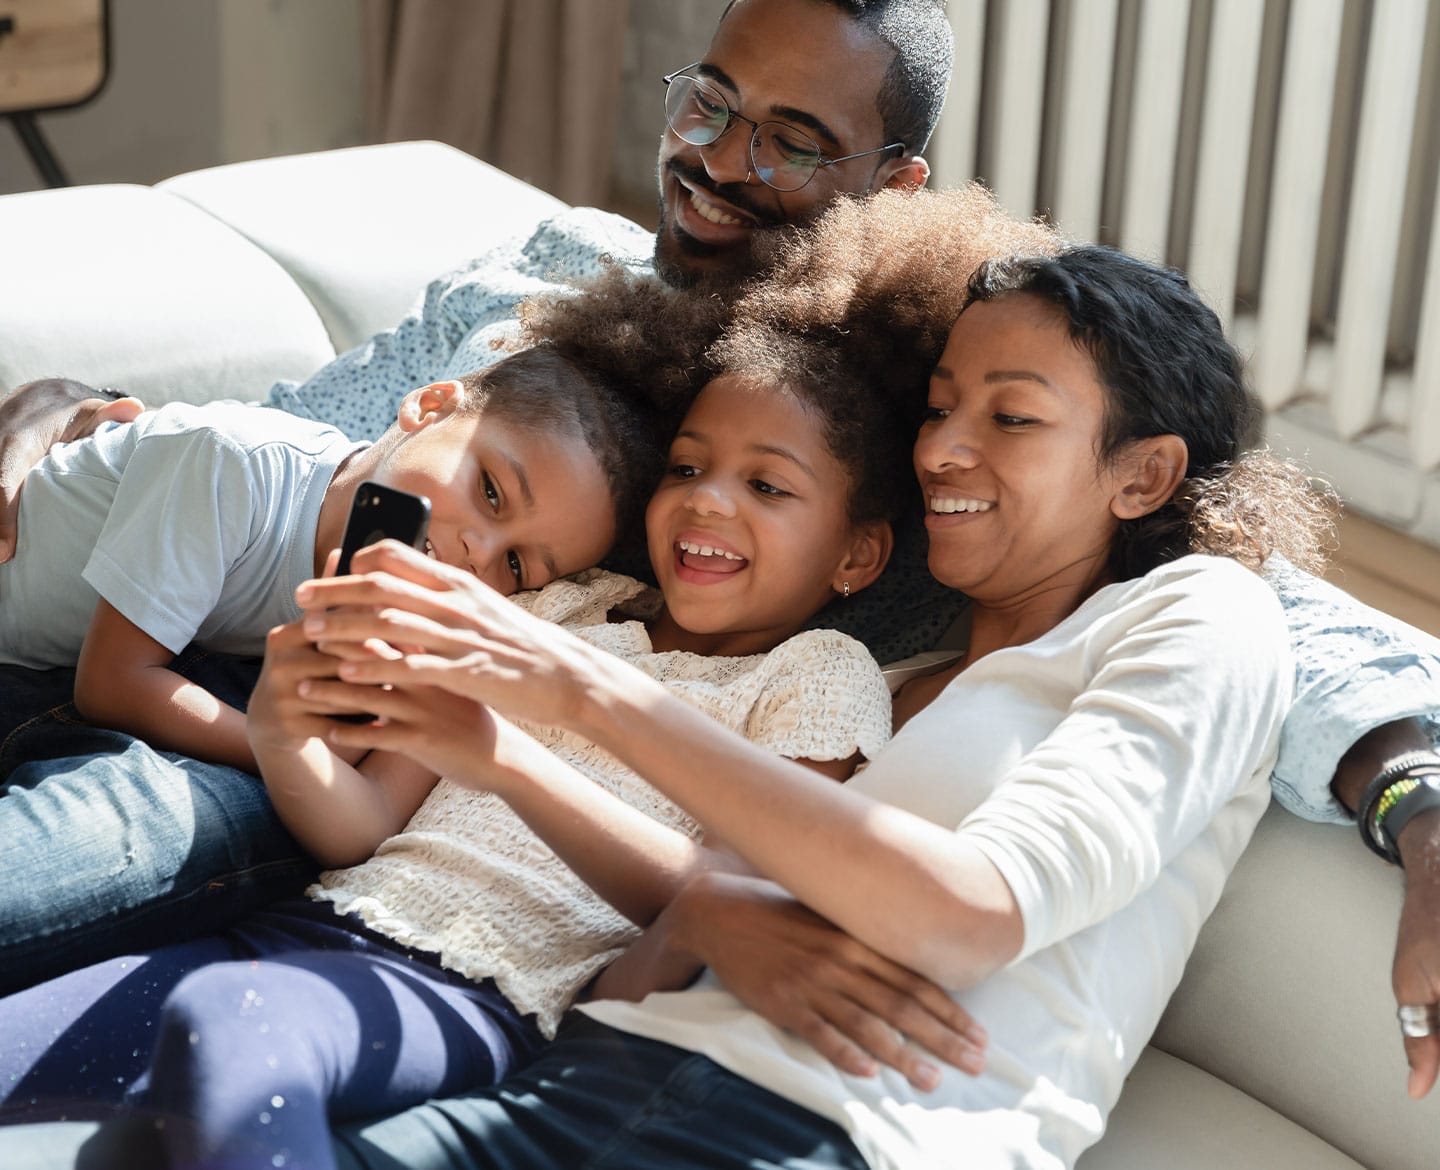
379 512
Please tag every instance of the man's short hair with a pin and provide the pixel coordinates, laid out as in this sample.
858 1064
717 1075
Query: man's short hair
913 90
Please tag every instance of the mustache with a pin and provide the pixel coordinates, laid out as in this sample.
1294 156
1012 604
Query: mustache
738 195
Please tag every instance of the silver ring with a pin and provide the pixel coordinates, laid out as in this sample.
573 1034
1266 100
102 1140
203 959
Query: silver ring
1417 1020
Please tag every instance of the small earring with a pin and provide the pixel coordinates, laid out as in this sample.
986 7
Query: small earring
845 589
748 176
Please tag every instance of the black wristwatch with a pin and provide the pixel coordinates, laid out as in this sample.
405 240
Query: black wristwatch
1426 795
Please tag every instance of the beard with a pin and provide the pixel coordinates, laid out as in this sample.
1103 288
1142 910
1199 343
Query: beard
682 261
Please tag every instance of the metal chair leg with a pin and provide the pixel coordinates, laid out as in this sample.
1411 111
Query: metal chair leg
39 150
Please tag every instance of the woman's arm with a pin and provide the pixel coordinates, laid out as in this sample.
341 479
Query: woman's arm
800 829
1149 751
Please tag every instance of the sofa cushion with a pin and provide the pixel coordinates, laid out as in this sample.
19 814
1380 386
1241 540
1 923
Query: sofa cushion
129 286
1288 998
364 230
1175 1116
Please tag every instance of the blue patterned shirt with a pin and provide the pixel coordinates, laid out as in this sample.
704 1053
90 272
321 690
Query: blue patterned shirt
457 325
1355 669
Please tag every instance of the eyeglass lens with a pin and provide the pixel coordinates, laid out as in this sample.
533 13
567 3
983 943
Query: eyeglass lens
784 158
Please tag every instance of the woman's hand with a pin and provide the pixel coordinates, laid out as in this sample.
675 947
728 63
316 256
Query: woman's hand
459 636
856 1008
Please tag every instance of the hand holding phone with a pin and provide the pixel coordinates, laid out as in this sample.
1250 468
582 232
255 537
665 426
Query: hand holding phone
379 513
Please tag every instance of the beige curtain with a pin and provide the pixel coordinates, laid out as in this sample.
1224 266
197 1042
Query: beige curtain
532 86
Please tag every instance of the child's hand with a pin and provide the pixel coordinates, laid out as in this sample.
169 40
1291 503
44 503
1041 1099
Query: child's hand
280 717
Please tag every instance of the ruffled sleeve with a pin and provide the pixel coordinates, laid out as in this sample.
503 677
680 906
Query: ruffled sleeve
822 697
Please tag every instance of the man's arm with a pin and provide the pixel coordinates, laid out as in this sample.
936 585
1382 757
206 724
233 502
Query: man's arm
34 418
1415 975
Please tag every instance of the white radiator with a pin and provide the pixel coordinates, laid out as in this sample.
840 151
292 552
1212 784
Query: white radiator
1284 153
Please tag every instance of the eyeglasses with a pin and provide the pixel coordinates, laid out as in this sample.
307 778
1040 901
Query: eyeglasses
781 156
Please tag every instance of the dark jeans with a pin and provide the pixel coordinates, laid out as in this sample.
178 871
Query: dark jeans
108 846
598 1099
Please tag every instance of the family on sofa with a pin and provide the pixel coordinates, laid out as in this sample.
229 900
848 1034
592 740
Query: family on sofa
1014 881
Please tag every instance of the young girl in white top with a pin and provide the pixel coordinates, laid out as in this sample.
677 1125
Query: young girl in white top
443 960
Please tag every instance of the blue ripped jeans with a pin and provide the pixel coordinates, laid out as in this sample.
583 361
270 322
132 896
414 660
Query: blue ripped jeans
109 846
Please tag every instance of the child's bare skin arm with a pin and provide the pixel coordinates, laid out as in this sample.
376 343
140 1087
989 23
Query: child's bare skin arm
339 804
123 680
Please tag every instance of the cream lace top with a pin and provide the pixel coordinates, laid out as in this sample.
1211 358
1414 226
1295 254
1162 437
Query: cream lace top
468 880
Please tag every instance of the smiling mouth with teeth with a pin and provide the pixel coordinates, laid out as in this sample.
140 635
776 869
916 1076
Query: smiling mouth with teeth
947 505
707 558
711 213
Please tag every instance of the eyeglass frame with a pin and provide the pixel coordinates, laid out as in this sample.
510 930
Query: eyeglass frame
731 114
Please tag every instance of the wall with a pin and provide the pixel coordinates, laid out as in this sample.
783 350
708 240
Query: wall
663 35
198 82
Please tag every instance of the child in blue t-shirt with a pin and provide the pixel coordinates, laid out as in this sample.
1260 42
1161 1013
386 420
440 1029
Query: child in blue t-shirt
196 524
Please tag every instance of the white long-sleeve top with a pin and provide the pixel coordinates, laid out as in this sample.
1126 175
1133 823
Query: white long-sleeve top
1113 769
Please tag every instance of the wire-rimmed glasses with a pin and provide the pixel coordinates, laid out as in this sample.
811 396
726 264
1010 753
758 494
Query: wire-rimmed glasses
781 156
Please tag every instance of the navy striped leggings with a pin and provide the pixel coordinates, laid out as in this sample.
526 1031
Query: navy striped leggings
243 1046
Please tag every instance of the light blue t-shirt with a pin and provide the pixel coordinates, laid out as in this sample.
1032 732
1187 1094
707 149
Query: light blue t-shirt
195 523
1355 668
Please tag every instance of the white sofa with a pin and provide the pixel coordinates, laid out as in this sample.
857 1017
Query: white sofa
1280 1050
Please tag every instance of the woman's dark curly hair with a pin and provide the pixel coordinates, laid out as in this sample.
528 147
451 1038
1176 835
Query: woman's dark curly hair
1162 357
616 362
